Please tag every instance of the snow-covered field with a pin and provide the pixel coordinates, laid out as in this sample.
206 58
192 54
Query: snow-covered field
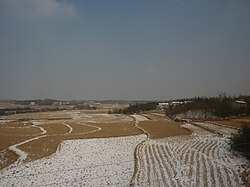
194 114
139 118
223 130
202 159
86 162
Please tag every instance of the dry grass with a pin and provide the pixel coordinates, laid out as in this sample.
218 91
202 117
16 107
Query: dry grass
42 147
162 129
154 117
114 130
158 127
15 132
55 128
80 128
58 130
8 140
237 123
7 157
90 124
41 116
46 146
10 106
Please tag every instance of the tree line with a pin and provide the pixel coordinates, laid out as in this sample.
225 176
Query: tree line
222 106
136 108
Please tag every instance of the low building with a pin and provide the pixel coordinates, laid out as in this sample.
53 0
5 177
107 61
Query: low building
163 105
32 103
239 104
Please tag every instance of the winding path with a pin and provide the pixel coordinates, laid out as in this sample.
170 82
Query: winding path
23 155
137 154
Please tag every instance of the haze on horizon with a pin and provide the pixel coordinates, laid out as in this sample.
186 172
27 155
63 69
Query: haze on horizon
132 50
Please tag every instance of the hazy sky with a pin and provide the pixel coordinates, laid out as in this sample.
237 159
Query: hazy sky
133 49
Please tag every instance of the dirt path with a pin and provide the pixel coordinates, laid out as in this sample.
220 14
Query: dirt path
137 167
70 128
22 154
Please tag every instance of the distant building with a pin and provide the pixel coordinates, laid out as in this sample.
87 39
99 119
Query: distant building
163 105
239 104
55 104
59 103
175 103
32 103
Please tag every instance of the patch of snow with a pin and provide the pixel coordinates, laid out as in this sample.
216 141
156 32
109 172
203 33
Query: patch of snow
70 128
158 114
196 114
2 121
85 162
22 155
226 131
139 117
200 159
91 121
74 114
36 124
104 115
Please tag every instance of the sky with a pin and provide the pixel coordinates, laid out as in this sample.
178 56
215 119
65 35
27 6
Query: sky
128 50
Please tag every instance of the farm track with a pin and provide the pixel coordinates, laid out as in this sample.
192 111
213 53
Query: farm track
201 159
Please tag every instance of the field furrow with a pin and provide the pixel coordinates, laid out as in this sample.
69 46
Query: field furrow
201 159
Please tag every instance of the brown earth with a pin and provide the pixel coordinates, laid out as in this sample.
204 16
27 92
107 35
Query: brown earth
57 132
55 128
8 140
163 129
46 146
89 124
236 123
159 127
14 132
7 157
153 116
41 116
80 128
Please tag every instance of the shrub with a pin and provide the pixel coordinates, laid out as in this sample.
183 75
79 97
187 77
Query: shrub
241 141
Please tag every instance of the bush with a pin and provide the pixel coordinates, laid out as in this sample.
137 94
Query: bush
241 141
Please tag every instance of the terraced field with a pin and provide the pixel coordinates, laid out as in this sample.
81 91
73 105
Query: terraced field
28 137
200 159
75 148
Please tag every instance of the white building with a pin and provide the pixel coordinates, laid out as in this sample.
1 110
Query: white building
32 103
163 105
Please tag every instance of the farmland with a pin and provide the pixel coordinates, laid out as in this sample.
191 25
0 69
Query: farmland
93 148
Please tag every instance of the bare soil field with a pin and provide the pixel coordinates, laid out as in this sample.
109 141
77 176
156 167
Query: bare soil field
40 116
9 105
33 136
200 159
162 129
158 127
92 148
235 123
